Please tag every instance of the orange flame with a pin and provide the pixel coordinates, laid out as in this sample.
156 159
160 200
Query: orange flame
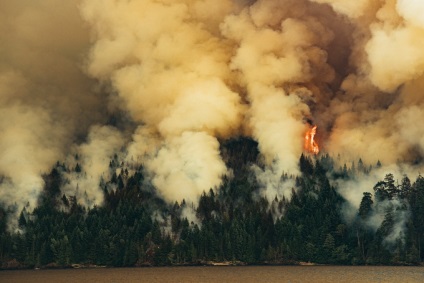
310 144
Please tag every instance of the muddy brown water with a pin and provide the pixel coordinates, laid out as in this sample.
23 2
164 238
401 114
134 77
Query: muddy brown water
221 274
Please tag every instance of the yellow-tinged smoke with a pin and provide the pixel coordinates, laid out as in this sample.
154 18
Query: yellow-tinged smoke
46 101
189 73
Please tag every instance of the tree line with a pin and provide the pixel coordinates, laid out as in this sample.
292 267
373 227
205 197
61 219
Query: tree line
135 227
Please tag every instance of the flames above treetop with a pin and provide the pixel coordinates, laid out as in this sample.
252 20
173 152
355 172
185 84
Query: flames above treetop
310 143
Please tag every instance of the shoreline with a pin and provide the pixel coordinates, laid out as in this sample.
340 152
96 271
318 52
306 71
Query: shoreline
54 266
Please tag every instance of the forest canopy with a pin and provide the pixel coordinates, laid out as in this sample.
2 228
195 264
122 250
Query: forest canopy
235 223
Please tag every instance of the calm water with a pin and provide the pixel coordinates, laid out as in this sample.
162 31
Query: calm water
221 274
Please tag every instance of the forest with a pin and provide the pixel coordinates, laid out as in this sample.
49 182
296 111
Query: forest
232 223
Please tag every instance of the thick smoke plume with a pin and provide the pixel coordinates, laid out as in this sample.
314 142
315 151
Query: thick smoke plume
184 75
47 102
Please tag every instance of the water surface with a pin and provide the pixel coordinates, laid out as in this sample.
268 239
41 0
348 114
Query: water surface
245 274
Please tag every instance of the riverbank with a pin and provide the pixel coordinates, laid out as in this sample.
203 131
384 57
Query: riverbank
15 265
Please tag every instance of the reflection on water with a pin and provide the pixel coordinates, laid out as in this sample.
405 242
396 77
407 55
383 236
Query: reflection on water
222 274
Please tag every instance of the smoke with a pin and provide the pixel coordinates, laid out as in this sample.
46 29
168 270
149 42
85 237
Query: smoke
395 212
401 216
189 213
273 61
411 11
389 70
46 102
352 190
93 159
353 9
171 74
185 75
186 165
370 119
273 184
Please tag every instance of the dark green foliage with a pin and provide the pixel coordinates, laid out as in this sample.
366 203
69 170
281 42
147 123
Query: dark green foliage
365 207
78 168
135 227
386 189
305 164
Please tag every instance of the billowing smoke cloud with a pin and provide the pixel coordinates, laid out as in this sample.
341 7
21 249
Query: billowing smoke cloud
46 102
369 118
188 74
173 78
353 9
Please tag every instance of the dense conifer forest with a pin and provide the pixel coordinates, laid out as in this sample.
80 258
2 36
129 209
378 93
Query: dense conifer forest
233 223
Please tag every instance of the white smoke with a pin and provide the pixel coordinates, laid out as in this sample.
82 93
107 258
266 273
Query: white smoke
93 158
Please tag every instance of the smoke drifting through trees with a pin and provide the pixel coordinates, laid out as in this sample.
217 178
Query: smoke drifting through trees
46 102
189 74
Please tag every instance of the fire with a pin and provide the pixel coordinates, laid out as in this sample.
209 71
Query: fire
310 144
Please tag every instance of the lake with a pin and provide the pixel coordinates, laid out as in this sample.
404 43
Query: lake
222 274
